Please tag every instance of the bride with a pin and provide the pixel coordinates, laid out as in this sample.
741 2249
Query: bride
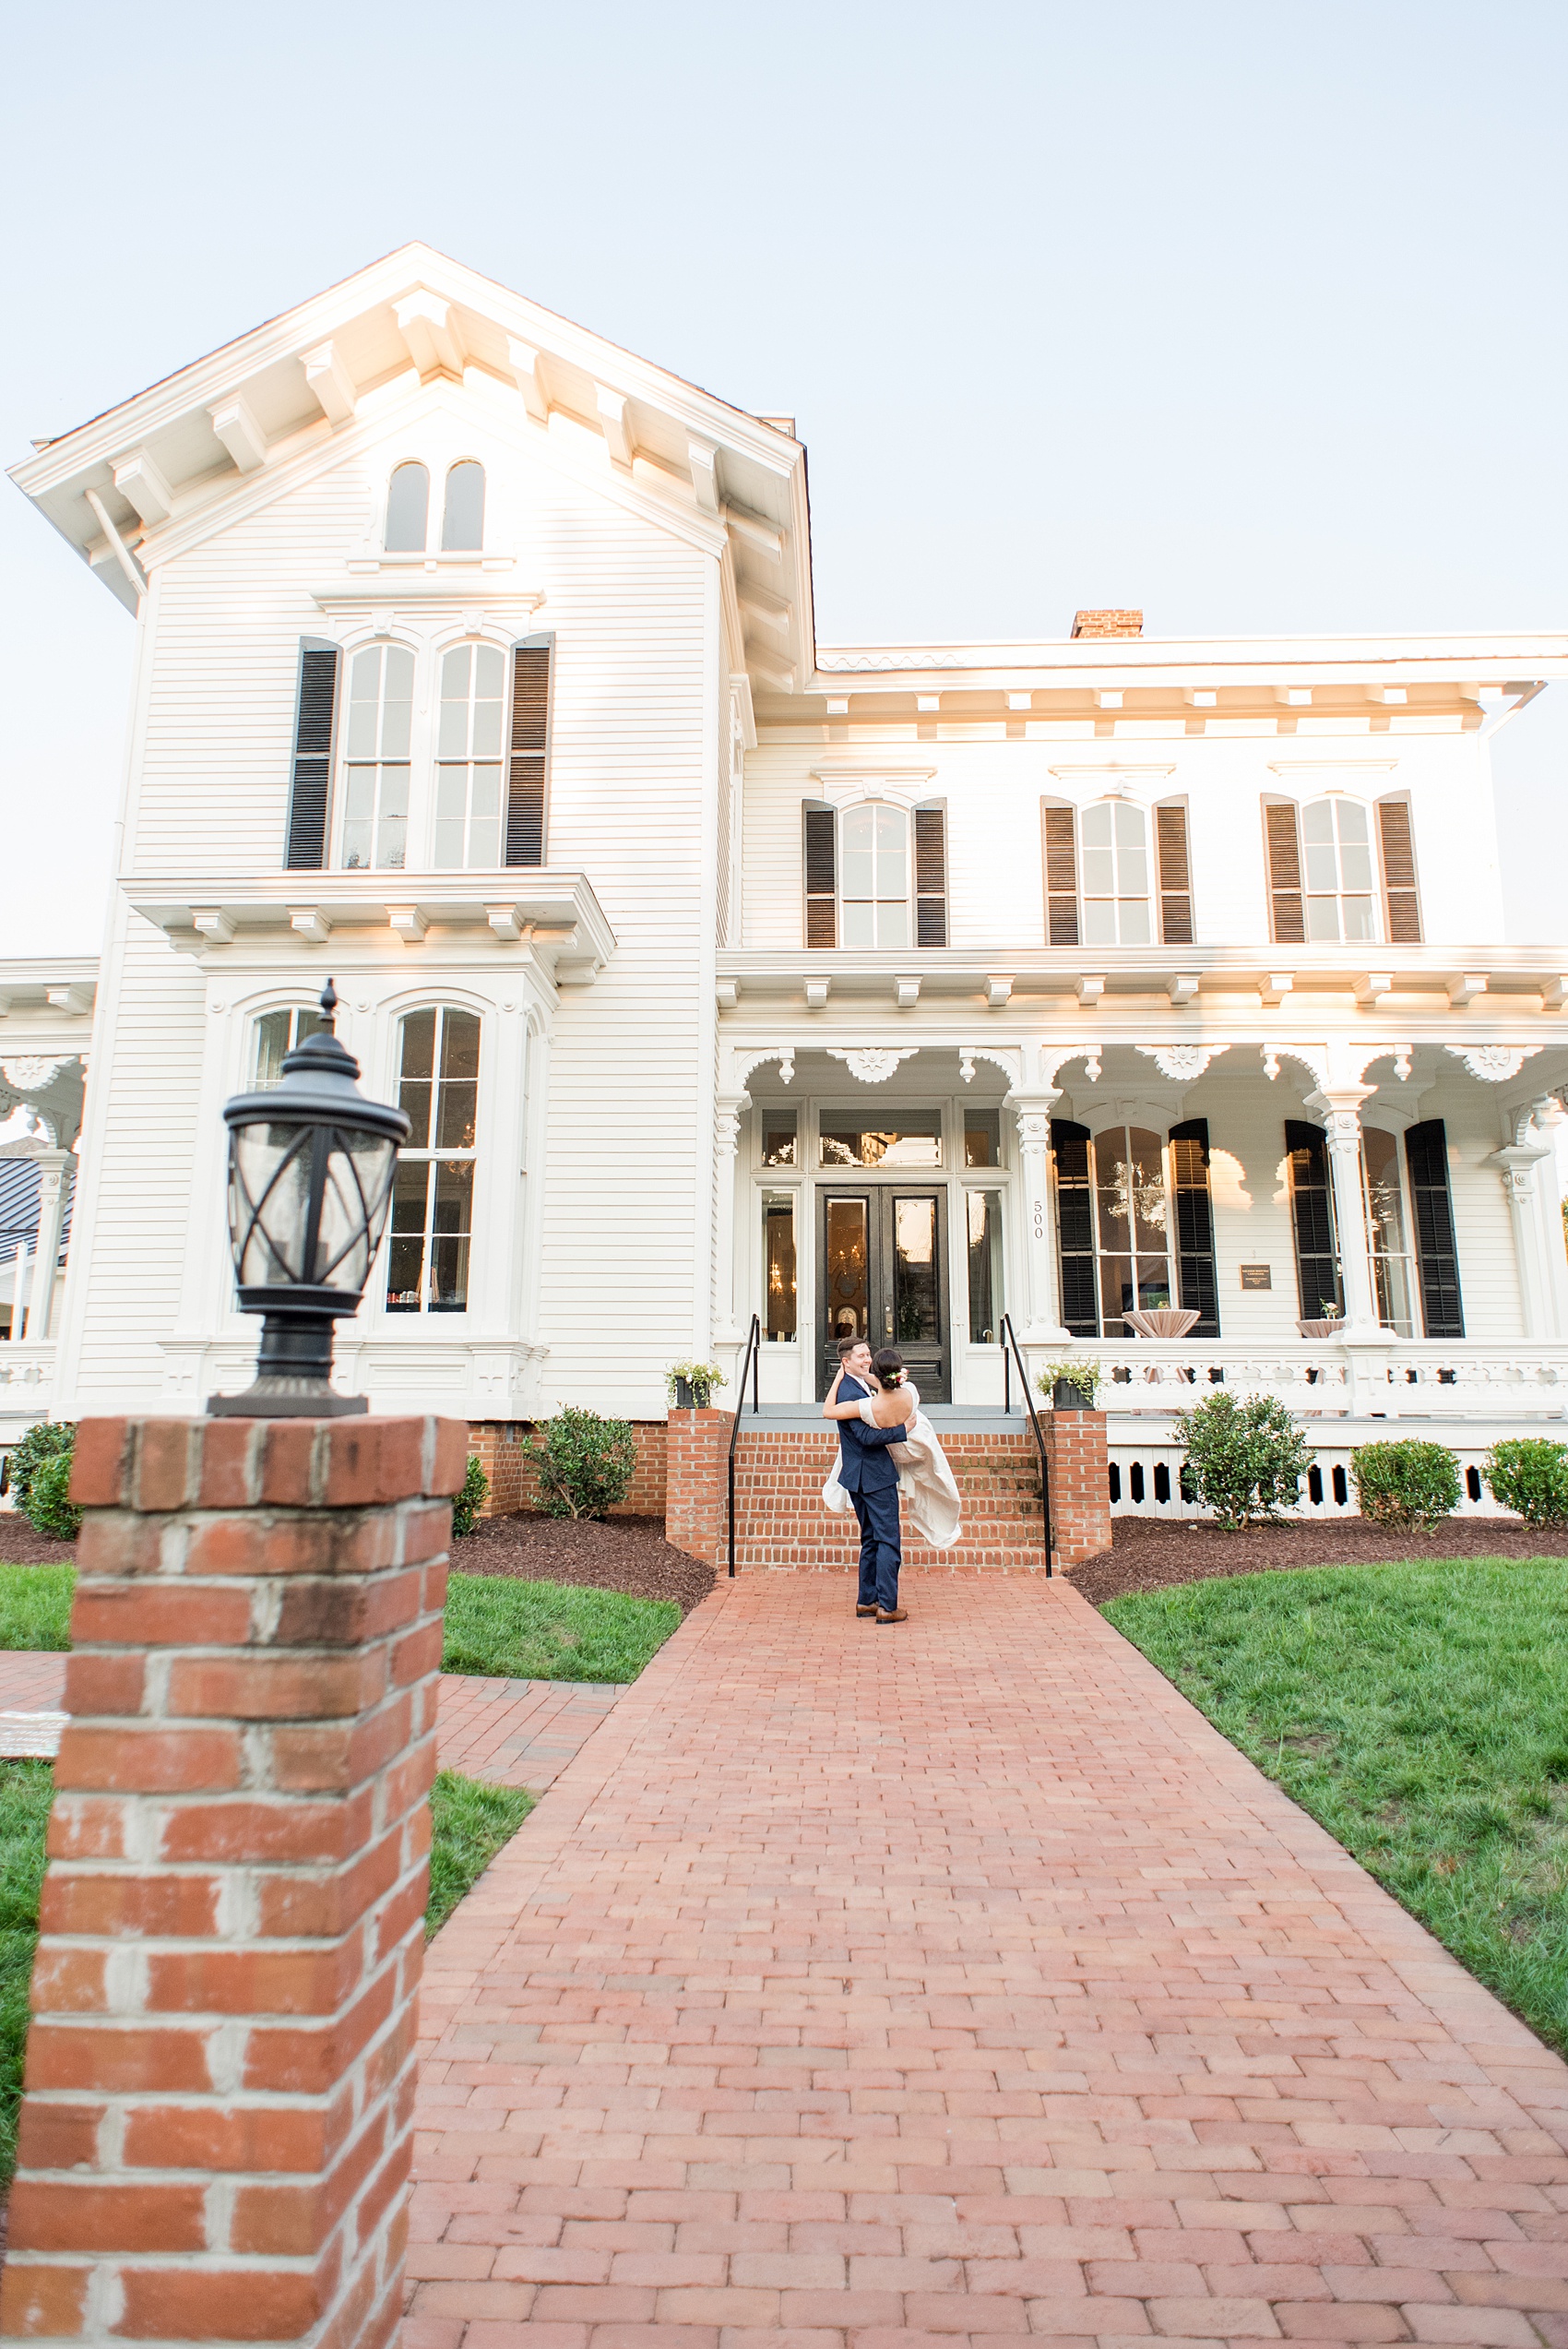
925 1482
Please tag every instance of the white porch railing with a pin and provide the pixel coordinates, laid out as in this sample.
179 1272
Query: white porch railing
27 1382
1461 1379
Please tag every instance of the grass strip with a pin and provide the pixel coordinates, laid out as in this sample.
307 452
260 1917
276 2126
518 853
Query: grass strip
469 1821
35 1605
1419 1712
497 1624
26 1788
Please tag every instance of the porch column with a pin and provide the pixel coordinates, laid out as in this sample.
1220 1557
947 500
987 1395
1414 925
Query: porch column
1042 1311
1341 1114
1526 1171
727 1112
51 1165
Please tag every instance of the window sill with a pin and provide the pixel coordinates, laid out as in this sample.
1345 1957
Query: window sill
475 559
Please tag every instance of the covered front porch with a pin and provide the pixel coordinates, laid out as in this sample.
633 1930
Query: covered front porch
1372 1231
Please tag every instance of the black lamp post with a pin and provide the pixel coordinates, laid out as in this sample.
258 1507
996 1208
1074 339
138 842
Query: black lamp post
311 1163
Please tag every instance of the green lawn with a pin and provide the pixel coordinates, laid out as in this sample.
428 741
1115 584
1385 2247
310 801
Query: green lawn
35 1605
1420 1710
494 1624
469 1821
550 1631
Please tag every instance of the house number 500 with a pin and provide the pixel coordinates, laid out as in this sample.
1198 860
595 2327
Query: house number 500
1040 1219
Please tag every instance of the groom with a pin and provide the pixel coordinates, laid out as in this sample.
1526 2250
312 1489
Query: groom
872 1482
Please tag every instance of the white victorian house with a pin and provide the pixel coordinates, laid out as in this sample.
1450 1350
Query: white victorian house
887 988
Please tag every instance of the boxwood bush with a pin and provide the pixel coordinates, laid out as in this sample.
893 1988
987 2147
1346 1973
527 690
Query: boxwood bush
586 1463
1407 1482
1529 1474
1245 1460
39 1470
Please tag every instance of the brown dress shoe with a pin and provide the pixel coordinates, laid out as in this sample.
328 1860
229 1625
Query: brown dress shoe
865 1610
892 1615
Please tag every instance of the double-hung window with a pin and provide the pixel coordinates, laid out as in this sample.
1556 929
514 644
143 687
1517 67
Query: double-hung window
376 761
1135 1224
432 1196
875 876
1324 877
1107 883
468 800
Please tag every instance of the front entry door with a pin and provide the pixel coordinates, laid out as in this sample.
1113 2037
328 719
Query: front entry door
882 1275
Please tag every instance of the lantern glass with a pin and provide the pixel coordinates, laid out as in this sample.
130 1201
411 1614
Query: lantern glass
307 1204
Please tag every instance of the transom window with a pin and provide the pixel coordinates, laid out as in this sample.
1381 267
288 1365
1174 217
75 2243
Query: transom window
469 798
427 1266
376 768
873 890
1336 850
277 1033
917 1142
1115 875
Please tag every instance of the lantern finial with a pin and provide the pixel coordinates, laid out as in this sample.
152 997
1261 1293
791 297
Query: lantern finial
328 1005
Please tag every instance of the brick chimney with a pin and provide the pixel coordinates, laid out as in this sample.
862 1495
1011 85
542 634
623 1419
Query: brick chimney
1107 623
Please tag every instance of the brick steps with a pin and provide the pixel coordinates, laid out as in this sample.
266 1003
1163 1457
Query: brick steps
781 1522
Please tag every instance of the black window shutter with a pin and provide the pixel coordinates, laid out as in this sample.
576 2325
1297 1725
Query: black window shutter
1074 1226
1311 1211
1197 1286
822 877
1284 877
931 876
306 849
530 737
1175 884
1426 1155
1400 901
1060 879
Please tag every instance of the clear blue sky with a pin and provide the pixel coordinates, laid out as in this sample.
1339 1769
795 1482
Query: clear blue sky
1251 314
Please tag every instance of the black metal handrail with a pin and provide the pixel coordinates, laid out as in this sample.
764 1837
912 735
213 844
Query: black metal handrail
1011 1352
752 1363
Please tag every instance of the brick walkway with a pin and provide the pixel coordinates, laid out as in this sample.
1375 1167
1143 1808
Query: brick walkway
891 1987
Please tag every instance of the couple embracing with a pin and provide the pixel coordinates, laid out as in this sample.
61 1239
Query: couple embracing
887 1450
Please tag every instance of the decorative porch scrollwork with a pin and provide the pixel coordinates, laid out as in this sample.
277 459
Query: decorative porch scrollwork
873 1064
1183 1063
1493 1063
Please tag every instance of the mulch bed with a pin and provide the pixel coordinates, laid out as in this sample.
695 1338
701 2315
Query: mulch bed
21 1544
626 1553
1150 1554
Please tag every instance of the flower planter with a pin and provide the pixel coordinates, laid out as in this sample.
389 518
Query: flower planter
1321 1328
690 1398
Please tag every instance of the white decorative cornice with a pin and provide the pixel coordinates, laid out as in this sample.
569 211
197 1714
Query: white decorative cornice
848 786
872 1064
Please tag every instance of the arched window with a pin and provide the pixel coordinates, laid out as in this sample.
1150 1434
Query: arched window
427 1257
874 884
1338 854
1115 875
408 510
1135 1224
277 1033
462 524
376 776
468 773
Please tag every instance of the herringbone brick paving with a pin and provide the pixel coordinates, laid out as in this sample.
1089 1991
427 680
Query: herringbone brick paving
958 1982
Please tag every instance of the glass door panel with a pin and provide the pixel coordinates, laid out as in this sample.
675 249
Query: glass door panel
882 1277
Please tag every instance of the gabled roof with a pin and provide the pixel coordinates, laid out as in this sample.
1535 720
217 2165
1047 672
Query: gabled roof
130 478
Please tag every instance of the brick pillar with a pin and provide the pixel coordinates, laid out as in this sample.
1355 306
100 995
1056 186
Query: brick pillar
216 2133
1080 1483
696 1482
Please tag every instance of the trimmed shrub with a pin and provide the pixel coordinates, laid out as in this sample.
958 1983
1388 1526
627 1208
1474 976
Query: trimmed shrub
38 1471
1245 1460
586 1463
1529 1474
1406 1484
467 1504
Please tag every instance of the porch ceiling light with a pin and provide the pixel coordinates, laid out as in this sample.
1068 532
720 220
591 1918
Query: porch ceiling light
311 1163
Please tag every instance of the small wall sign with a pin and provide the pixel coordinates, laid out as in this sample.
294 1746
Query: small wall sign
1257 1276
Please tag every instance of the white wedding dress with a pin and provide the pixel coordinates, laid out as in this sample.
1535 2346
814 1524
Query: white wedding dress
926 1489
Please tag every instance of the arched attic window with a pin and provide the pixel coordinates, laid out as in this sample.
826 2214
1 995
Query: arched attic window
408 510
462 523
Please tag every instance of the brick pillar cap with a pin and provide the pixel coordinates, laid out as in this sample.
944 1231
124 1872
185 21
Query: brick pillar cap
159 1465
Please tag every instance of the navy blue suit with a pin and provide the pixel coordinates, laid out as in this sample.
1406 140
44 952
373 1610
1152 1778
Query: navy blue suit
871 1479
